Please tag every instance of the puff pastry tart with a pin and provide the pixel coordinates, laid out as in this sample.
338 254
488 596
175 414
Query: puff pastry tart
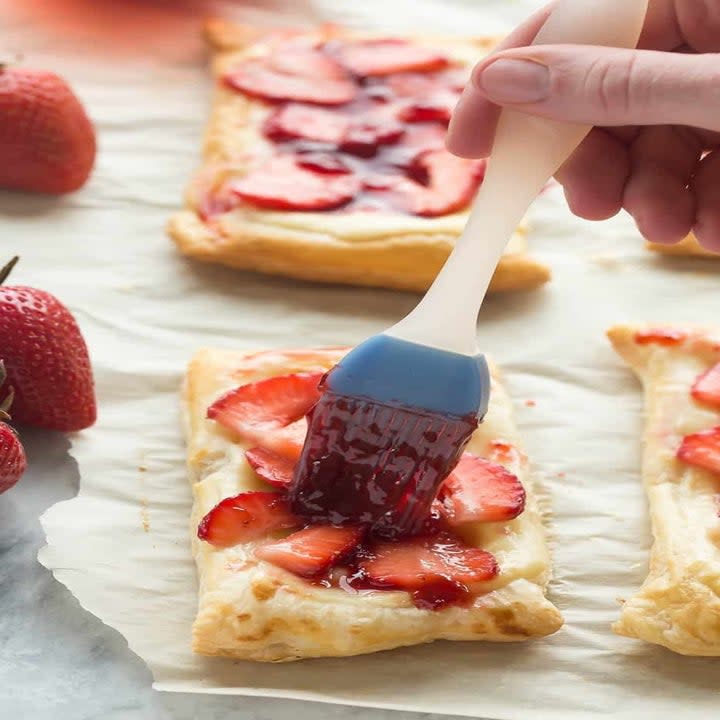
689 246
275 588
324 160
678 606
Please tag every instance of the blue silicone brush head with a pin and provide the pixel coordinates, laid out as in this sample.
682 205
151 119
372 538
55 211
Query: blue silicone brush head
391 424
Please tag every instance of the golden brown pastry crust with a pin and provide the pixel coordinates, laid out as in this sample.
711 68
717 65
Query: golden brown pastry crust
250 609
390 250
688 246
678 605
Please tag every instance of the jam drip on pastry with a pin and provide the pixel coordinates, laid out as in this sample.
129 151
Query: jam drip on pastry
352 125
432 563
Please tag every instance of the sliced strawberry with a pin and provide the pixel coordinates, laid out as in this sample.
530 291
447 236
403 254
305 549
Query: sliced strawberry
214 203
412 564
414 85
439 184
376 181
667 337
323 163
257 78
246 517
281 184
293 121
215 198
386 131
427 136
361 142
210 193
417 139
311 551
364 139
379 92
702 449
274 468
270 404
431 110
707 387
307 62
386 57
478 490
287 441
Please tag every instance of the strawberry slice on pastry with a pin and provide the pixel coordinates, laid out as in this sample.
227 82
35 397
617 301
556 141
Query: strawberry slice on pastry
270 412
307 76
706 388
702 449
244 517
311 551
666 337
295 121
478 490
306 61
438 183
274 468
388 56
435 570
438 109
283 184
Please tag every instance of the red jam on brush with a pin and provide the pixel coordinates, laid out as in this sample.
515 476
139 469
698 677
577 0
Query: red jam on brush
389 503
431 563
352 125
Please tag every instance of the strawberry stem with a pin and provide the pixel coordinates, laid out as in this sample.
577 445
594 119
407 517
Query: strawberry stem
7 402
8 269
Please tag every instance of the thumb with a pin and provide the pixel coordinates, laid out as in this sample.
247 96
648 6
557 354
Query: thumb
605 86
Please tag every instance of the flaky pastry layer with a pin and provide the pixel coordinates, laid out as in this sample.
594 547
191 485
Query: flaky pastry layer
678 605
688 246
383 249
250 609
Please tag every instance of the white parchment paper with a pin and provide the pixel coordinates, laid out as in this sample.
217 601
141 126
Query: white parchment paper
122 545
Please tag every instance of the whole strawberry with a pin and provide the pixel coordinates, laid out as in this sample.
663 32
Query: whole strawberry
12 455
46 359
47 143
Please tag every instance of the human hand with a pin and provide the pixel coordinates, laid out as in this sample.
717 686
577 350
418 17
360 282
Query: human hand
655 147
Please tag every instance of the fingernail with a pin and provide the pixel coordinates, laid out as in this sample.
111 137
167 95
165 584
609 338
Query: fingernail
515 81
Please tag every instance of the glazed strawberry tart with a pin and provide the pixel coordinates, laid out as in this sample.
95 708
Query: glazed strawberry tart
274 586
324 159
678 606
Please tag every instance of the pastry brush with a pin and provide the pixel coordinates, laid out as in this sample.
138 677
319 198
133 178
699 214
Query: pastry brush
395 414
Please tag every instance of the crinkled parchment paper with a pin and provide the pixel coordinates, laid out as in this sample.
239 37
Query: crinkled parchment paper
122 546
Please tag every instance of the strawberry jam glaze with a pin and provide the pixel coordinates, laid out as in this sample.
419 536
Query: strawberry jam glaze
361 549
391 502
375 140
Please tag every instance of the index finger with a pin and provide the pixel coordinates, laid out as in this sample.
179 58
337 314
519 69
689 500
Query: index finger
473 122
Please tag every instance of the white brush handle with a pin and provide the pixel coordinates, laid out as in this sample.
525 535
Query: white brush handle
527 152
